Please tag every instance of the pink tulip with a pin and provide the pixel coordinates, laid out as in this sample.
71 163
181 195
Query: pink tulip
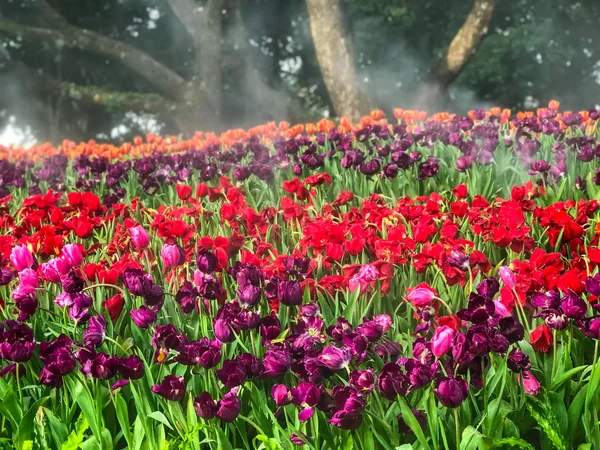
71 253
420 297
442 341
21 258
508 277
139 236
531 385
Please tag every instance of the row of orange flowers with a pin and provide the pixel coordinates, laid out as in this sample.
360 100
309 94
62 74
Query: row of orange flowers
267 132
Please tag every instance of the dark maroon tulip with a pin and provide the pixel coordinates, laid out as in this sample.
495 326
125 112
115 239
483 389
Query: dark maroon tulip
137 281
429 168
241 173
155 296
421 419
370 168
187 297
71 282
232 374
518 361
172 388
229 407
389 351
205 406
489 287
478 340
348 408
6 276
306 394
392 382
48 378
206 261
96 331
498 342
281 394
347 420
573 306
362 380
247 320
512 329
340 329
335 358
104 366
592 285
289 293
590 327
550 299
131 367
451 392
370 329
167 336
18 344
27 306
143 317
61 361
253 365
223 331
419 374
270 327
277 362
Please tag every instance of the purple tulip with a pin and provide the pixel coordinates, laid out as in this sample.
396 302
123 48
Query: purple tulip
17 344
71 282
451 392
139 237
71 254
546 300
488 288
119 384
137 281
573 306
429 168
335 358
131 367
511 329
229 407
531 385
63 300
223 331
253 365
362 380
554 319
143 317
172 388
205 406
95 332
249 295
187 298
277 362
6 276
281 394
389 351
289 293
590 327
206 261
592 285
518 361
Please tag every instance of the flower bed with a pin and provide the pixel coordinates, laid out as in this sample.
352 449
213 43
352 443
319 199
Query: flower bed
431 283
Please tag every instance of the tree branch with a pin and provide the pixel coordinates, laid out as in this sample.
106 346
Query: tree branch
166 80
465 42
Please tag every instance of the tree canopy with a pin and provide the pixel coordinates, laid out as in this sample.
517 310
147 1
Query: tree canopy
83 69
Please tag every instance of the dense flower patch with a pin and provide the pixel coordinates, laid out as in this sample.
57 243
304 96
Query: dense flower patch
432 283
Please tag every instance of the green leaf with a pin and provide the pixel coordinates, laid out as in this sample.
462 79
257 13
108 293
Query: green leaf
559 381
413 423
25 430
471 439
10 407
58 430
513 442
222 439
549 425
76 436
160 417
85 401
268 443
123 418
348 443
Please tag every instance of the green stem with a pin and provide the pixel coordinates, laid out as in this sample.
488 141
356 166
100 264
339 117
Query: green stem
105 285
457 428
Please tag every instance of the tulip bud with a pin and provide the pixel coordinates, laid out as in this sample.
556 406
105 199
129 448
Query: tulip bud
531 385
143 317
172 255
508 277
139 237
420 297
442 341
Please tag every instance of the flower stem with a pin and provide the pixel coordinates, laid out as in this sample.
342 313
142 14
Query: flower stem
457 428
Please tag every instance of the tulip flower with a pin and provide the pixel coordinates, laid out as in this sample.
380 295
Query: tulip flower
21 258
508 277
451 392
172 255
442 341
172 388
139 237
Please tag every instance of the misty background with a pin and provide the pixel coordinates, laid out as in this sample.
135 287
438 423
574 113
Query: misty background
112 69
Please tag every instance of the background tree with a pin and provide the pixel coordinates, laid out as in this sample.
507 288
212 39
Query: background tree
82 69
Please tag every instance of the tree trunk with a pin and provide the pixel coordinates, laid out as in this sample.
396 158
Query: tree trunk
433 91
336 58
